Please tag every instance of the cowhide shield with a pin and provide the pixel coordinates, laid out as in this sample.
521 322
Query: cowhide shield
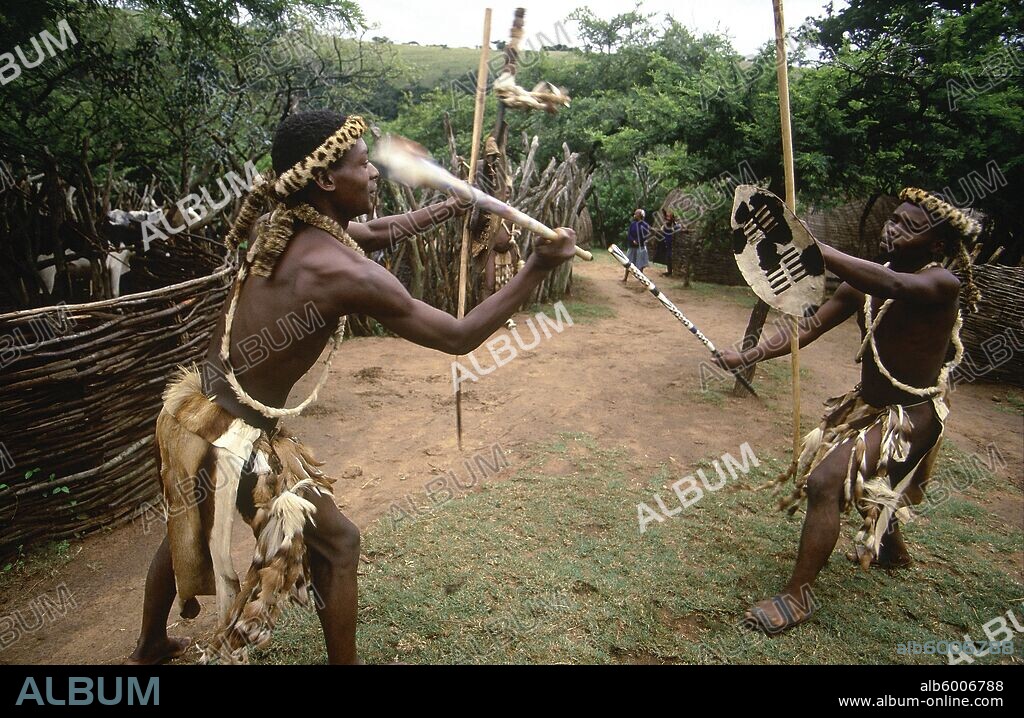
775 251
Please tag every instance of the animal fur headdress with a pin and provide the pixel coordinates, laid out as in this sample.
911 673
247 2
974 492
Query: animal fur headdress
942 211
269 191
968 228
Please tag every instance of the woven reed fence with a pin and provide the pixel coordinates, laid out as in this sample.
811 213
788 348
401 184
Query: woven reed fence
80 391
994 337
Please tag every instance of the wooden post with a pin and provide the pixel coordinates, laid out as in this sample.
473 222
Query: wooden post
474 155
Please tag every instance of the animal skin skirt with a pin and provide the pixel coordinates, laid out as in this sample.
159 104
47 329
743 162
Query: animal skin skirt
204 451
868 486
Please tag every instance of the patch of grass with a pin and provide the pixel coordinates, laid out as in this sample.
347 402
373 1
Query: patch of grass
715 396
584 309
774 378
772 382
585 312
546 568
430 65
1012 404
742 296
46 559
959 475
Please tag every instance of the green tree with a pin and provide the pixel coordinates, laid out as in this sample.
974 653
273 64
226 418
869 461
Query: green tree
926 94
162 93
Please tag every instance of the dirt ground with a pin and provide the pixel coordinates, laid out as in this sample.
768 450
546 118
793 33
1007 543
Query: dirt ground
385 426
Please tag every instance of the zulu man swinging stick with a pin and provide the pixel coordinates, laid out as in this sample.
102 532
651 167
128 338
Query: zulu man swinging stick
222 440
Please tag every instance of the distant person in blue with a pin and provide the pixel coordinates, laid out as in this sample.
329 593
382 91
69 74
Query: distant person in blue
669 231
636 251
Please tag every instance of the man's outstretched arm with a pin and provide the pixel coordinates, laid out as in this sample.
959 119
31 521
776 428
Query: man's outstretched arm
384 231
367 288
932 287
840 306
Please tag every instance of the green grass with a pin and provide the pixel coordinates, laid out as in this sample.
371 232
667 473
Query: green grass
772 382
715 396
1012 404
585 312
582 312
549 567
584 309
38 562
673 286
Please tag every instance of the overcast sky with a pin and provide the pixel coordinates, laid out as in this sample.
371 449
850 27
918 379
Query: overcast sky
456 23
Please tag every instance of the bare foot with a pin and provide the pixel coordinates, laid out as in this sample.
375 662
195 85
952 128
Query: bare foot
887 560
151 655
777 614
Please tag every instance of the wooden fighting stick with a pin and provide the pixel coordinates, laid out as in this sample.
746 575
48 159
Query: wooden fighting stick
407 163
511 62
478 122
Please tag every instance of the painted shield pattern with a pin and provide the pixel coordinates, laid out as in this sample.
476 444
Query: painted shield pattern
775 252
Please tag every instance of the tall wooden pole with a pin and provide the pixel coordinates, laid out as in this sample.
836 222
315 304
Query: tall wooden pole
474 156
782 69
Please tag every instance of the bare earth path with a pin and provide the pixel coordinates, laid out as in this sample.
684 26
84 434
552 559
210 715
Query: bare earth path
384 427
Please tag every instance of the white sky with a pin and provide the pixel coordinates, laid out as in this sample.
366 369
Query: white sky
748 23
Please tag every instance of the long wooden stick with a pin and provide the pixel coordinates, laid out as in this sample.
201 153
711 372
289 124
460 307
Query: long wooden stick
474 155
511 61
667 303
782 70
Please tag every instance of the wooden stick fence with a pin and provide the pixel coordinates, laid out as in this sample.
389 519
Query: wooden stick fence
80 391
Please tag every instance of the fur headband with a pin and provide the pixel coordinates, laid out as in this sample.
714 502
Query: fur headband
322 157
941 209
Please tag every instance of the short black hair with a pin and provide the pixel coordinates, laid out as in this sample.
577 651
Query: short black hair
299 134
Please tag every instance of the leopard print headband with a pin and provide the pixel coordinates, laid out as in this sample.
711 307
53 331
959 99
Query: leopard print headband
322 157
941 209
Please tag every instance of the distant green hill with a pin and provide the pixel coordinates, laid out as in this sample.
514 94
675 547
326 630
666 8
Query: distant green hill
430 65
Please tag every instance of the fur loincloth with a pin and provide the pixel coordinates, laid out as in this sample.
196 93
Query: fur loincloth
868 487
202 452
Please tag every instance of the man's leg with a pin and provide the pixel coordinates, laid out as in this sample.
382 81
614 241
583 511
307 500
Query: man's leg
154 645
794 604
333 543
821 525
893 553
